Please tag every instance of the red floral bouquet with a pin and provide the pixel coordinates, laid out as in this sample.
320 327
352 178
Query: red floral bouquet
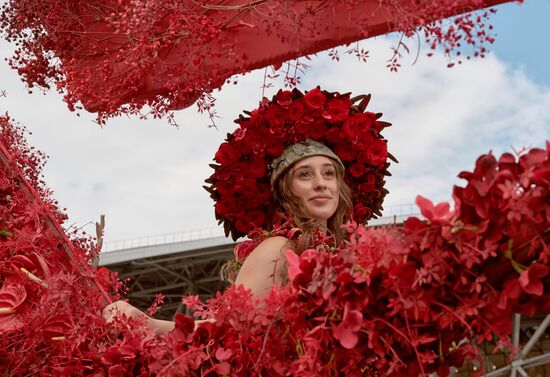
397 301
240 183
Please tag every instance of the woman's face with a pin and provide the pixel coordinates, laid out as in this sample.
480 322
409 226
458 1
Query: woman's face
315 181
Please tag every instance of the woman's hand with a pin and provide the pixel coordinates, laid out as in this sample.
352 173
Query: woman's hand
123 308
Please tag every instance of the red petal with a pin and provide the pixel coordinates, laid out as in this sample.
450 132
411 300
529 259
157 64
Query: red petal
426 207
56 326
293 261
348 339
12 295
530 279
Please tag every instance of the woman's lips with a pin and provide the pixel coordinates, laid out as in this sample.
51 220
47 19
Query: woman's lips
320 199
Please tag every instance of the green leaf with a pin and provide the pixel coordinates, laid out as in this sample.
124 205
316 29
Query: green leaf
5 233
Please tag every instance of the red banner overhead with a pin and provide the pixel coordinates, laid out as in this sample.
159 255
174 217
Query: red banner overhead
115 56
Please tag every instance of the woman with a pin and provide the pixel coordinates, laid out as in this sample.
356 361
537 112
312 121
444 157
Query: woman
271 168
310 189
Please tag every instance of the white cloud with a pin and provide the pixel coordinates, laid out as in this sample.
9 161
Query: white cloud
147 176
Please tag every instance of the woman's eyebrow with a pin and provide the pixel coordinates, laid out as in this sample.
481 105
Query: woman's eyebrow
309 166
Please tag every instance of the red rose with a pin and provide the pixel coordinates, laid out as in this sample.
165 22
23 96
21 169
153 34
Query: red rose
359 212
256 168
332 135
246 186
252 219
284 98
357 170
314 99
337 110
377 153
296 110
364 140
276 116
227 154
345 152
356 125
225 206
275 149
225 188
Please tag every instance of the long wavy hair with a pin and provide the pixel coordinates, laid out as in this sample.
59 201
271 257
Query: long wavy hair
286 203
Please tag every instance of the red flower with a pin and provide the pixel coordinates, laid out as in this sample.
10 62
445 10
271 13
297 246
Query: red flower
356 125
432 213
542 176
345 152
346 331
225 205
296 110
276 116
12 296
243 249
284 98
530 279
377 153
314 99
357 170
337 110
227 154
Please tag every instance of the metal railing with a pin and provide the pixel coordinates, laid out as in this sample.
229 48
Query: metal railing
165 238
398 210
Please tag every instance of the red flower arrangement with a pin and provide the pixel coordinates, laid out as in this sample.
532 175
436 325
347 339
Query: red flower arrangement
405 301
49 304
240 184
402 302
121 57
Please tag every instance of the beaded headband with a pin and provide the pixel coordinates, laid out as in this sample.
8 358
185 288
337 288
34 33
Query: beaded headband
298 151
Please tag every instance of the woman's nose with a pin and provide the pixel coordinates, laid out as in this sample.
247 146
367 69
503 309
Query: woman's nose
319 182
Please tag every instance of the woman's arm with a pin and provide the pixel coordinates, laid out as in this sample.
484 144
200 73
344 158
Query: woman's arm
122 307
264 267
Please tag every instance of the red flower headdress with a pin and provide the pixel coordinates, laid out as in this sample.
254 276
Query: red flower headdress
240 185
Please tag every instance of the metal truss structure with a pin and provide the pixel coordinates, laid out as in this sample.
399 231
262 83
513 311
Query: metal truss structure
175 270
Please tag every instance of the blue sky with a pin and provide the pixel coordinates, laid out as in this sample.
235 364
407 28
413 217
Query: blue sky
523 37
147 176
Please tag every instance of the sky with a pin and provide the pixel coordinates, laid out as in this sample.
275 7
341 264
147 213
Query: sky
147 176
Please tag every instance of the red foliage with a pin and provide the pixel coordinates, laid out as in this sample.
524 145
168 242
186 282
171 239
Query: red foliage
389 299
48 302
118 57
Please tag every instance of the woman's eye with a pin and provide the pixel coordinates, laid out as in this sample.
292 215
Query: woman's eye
330 173
303 174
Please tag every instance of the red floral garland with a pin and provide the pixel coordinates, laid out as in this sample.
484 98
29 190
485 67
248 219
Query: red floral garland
109 54
240 184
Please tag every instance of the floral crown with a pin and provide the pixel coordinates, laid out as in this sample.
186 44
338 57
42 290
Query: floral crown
241 182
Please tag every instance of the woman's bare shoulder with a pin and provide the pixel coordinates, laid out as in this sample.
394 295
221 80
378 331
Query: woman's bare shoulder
271 245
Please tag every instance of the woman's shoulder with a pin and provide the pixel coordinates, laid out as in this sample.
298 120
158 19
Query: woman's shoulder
273 241
271 246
